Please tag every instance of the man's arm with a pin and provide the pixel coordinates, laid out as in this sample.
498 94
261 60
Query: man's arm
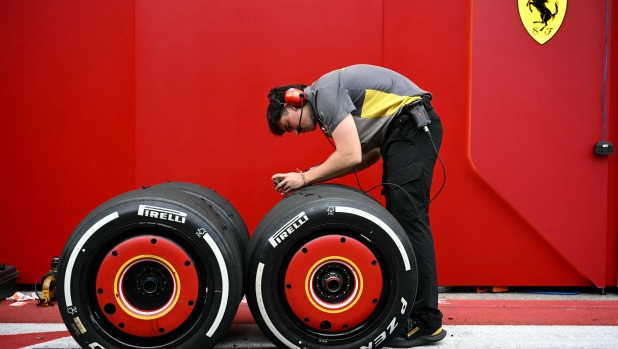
346 156
369 158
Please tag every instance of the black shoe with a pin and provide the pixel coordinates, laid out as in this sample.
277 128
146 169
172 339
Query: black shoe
414 334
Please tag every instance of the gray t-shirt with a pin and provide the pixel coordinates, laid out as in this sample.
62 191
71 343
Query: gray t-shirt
372 94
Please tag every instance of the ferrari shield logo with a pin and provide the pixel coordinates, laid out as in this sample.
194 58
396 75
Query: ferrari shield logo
542 18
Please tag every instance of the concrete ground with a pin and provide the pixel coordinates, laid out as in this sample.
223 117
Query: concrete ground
531 293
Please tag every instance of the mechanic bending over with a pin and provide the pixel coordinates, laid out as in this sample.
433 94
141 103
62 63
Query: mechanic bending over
366 110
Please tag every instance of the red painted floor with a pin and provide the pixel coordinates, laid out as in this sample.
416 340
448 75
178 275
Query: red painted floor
29 313
529 312
23 340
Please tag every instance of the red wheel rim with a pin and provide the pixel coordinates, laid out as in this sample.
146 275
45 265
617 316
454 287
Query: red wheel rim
333 283
147 286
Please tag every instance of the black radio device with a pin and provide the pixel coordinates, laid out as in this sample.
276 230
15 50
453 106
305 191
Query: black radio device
419 115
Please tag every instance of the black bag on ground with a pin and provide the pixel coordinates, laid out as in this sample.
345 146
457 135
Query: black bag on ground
8 280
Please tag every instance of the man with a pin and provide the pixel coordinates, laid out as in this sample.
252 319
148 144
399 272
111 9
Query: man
367 111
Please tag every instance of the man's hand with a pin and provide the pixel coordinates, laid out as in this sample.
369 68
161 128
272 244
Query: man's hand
288 182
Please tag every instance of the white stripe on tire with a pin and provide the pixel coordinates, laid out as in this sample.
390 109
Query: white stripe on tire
260 301
382 225
75 252
225 284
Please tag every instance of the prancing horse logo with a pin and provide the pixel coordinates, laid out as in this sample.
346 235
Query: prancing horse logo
542 19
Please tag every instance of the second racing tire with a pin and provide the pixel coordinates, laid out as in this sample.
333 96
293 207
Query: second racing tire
329 267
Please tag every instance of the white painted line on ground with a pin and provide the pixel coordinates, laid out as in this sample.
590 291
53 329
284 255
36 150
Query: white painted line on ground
471 337
18 328
529 337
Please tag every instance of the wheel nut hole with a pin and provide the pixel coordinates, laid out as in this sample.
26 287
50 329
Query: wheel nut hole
121 325
109 308
333 285
288 286
161 330
100 291
345 325
187 263
332 281
304 250
373 262
375 301
342 240
306 319
114 253
325 325
191 303
154 241
150 285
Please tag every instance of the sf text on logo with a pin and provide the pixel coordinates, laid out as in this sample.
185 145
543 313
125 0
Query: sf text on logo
542 18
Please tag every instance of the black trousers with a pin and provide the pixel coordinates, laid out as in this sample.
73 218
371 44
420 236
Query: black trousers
408 162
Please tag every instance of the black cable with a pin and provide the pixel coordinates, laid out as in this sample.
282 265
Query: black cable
409 197
399 187
605 72
302 107
382 184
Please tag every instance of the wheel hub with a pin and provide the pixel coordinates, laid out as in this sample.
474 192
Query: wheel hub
333 283
147 286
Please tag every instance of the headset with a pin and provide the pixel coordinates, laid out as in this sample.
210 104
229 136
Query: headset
297 98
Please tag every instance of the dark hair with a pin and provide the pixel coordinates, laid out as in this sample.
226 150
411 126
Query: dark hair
276 101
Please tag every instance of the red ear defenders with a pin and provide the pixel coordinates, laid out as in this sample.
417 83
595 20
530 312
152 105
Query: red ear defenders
295 97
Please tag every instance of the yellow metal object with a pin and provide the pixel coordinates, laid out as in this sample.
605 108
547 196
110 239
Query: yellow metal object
49 290
542 18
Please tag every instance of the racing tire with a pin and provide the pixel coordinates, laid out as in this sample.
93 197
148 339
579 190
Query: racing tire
150 269
328 266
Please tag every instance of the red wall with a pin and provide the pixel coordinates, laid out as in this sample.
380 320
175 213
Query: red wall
102 101
67 101
203 70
